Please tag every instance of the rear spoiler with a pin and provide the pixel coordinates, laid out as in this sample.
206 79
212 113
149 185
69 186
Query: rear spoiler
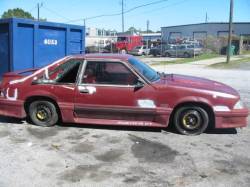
20 72
15 75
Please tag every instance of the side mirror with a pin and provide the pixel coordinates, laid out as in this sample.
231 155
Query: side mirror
139 85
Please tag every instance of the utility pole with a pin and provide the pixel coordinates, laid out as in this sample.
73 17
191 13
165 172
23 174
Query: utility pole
39 5
147 31
206 18
84 23
148 26
122 15
230 31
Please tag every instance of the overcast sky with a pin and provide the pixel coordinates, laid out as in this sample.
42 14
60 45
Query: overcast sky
165 13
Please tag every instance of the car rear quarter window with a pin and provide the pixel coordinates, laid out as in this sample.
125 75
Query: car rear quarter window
66 72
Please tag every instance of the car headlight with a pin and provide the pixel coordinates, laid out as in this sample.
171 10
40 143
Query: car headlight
239 105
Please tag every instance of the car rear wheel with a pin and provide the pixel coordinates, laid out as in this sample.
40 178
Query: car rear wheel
191 120
43 113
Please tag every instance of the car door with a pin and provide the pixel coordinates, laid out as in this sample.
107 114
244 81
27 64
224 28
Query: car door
111 90
64 79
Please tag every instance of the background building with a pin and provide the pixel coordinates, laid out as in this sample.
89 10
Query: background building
151 39
99 38
201 31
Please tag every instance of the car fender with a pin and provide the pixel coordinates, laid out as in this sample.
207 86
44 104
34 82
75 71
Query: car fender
193 99
41 93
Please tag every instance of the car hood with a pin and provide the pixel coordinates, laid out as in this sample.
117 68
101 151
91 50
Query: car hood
197 83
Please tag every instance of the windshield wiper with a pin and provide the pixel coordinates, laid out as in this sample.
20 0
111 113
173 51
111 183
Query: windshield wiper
162 74
156 77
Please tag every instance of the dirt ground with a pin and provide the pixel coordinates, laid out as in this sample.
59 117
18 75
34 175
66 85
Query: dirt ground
73 155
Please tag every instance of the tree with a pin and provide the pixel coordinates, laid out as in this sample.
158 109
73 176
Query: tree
18 13
132 30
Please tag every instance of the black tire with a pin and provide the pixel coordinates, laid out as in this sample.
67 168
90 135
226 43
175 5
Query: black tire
43 113
187 55
191 120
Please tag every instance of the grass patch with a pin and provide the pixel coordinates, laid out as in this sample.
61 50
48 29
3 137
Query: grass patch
246 52
232 64
187 60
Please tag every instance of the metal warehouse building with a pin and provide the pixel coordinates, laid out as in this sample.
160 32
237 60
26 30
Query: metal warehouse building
200 31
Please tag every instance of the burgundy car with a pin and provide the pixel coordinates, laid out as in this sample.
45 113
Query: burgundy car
119 90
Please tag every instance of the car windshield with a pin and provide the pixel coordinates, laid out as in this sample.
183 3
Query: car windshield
144 69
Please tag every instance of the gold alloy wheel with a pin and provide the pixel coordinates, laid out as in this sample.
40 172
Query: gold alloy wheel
41 115
191 120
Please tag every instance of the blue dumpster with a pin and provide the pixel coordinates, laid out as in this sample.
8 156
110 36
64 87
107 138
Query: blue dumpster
26 43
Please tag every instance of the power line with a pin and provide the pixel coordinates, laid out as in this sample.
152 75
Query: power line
55 13
144 5
32 9
161 8
120 13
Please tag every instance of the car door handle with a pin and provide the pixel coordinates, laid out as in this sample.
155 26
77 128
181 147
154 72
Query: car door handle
87 89
84 90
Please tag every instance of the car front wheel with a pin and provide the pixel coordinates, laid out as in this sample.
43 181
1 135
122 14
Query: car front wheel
191 120
43 113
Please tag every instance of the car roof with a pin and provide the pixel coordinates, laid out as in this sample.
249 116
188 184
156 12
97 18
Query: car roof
122 57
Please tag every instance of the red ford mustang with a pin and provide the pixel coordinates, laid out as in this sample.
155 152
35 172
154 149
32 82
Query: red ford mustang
119 90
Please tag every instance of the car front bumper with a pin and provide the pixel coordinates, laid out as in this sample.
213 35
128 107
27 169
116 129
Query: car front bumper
12 108
231 119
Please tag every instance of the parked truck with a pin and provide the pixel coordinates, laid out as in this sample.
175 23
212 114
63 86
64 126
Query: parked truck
127 43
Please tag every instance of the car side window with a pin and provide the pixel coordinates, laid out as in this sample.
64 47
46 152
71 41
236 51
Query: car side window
111 73
66 72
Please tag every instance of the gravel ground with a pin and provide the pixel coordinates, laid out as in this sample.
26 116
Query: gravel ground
72 155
